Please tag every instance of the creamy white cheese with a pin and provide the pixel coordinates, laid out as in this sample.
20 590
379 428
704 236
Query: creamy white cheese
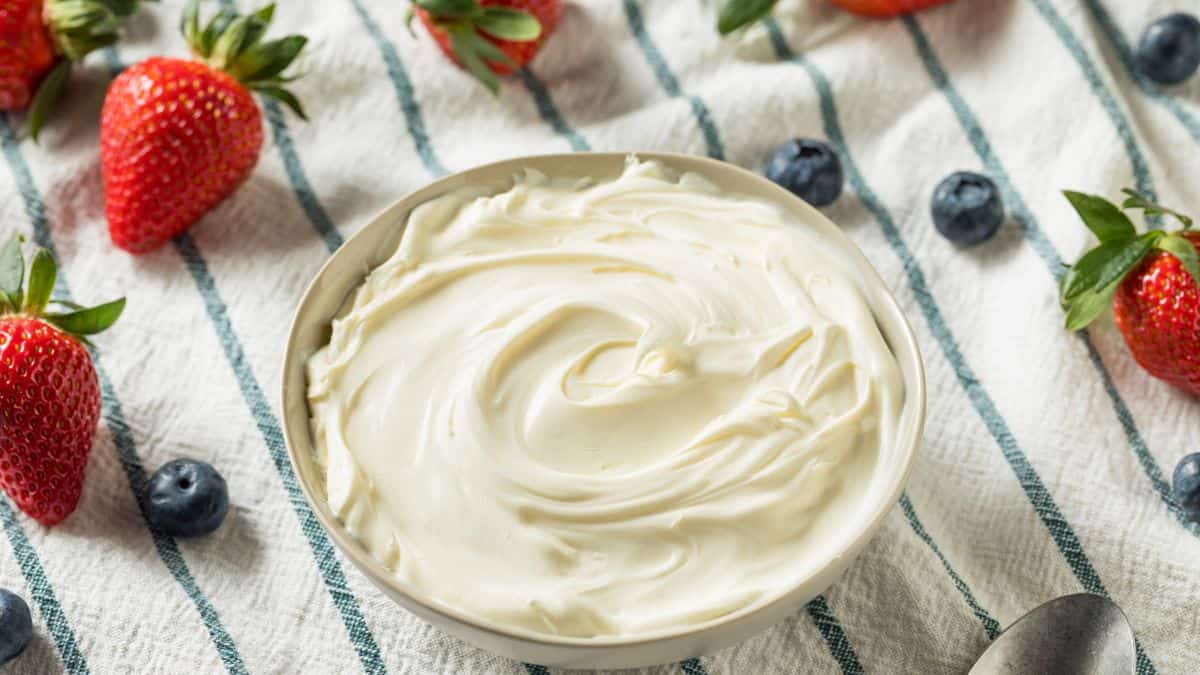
595 408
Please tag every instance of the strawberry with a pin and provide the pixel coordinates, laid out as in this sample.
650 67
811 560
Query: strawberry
1151 280
735 14
39 42
26 52
49 395
885 8
489 37
178 136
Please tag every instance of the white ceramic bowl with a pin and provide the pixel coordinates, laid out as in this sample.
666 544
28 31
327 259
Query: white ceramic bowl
378 239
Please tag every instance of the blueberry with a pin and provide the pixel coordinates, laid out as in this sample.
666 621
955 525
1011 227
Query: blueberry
967 209
186 498
1187 485
809 168
1169 51
16 626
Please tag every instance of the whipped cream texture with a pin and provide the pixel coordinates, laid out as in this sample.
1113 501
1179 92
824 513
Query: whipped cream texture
603 407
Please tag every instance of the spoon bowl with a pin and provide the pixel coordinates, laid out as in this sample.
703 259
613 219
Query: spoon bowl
1079 634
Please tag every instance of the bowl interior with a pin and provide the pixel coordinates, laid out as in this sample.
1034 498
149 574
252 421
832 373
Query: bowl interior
377 240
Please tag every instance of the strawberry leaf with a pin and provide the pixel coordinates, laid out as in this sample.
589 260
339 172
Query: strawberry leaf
73 16
124 8
231 43
268 59
256 26
189 24
466 45
48 92
1101 216
736 14
1137 201
91 320
1090 305
1182 248
1106 264
82 26
509 24
488 51
265 14
408 18
449 9
42 275
215 28
1083 275
283 96
12 272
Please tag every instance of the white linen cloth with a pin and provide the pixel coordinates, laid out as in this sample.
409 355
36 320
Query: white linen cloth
1046 458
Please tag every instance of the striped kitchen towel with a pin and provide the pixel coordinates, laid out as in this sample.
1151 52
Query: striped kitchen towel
1046 458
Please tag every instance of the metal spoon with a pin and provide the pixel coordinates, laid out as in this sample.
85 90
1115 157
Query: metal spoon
1073 635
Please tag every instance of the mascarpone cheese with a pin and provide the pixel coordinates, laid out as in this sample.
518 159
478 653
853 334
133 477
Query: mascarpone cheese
601 408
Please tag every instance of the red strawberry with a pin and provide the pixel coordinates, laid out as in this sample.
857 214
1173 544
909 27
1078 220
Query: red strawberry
884 8
489 37
1157 309
737 14
26 52
35 37
1152 281
49 396
179 136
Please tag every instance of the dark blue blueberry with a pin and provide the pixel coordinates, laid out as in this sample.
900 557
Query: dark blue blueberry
967 209
810 169
1187 485
1169 51
186 498
16 626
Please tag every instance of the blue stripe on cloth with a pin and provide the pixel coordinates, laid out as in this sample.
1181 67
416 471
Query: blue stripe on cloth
131 463
834 636
1053 260
303 190
1125 53
1141 170
320 220
168 549
668 81
331 572
404 92
1045 249
548 112
268 426
27 558
1031 483
990 625
42 591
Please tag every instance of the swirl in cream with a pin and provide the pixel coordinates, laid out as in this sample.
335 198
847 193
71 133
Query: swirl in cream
595 408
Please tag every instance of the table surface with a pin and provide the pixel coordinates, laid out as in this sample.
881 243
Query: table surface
1046 457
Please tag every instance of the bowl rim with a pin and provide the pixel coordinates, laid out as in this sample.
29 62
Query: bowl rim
879 298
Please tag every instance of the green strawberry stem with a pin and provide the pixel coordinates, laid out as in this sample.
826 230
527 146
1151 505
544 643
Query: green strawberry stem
232 43
29 295
1086 290
736 14
78 28
466 22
